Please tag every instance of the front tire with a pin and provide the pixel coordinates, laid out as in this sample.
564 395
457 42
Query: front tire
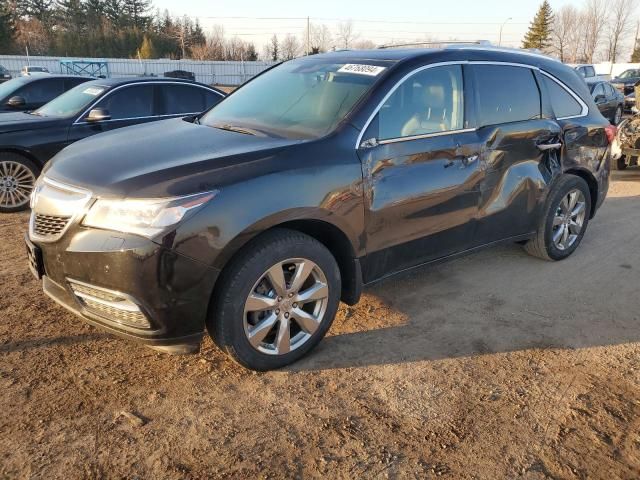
276 300
564 221
617 116
17 178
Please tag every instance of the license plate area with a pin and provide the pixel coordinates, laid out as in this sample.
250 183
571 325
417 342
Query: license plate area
34 256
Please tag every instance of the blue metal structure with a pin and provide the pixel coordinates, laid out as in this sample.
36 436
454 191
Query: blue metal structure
92 68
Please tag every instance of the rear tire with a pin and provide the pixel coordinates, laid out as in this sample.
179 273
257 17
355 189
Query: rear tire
617 116
276 300
18 176
563 222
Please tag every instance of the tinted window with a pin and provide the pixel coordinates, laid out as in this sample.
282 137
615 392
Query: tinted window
590 72
72 82
129 102
609 90
42 91
72 101
505 94
597 90
430 101
562 102
182 99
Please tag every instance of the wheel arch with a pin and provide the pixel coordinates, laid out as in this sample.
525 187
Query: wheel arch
335 239
25 153
592 183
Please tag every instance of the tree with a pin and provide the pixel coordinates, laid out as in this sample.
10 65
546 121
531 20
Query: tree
635 56
594 20
345 35
146 50
137 12
564 39
539 34
7 26
290 47
618 25
274 51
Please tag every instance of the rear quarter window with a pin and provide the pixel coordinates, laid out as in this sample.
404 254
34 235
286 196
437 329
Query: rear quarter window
563 103
505 94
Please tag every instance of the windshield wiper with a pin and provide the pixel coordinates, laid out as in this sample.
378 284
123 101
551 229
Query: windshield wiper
236 128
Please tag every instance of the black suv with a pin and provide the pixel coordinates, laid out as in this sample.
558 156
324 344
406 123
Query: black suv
317 177
29 140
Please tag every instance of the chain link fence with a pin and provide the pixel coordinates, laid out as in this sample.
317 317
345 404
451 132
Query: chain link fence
218 73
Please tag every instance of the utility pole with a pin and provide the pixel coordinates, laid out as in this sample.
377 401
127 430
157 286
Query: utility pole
309 35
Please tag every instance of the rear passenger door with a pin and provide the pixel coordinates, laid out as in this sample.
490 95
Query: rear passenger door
179 99
514 138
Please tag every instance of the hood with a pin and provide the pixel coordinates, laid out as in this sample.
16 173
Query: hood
162 159
17 121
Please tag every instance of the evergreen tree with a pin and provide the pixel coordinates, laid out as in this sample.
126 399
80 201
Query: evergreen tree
274 50
251 54
137 12
7 25
539 34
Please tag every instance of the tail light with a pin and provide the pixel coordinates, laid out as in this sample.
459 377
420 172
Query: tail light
611 131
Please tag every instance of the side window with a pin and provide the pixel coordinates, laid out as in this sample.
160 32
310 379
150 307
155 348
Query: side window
182 99
73 82
563 103
582 71
430 101
610 91
598 90
211 99
42 91
506 94
129 102
590 72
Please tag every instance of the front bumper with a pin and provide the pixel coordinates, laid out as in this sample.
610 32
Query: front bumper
171 290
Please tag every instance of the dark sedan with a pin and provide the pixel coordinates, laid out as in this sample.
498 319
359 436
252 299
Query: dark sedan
29 140
626 81
29 93
320 175
5 75
610 101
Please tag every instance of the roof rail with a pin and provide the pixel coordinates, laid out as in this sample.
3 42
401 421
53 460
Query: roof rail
484 43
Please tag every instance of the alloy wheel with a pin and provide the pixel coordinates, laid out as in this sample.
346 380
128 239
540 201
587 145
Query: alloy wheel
618 116
569 219
286 306
16 184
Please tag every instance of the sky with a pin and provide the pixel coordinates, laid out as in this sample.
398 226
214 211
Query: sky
381 22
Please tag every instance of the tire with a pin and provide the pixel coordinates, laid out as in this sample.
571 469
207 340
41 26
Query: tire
233 319
543 245
617 116
17 178
619 164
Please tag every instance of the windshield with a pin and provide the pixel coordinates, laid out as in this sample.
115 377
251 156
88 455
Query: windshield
630 74
300 99
71 102
7 88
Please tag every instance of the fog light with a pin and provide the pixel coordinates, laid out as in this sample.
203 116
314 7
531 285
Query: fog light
113 306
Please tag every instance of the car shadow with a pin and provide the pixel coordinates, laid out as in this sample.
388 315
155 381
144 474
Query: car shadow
498 300
23 345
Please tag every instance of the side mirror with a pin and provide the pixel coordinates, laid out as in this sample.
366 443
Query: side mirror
98 115
17 102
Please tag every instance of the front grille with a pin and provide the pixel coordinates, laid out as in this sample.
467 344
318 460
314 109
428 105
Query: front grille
49 225
112 306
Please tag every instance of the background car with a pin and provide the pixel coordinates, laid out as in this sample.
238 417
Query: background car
29 93
610 101
32 69
626 80
587 71
184 74
29 140
5 75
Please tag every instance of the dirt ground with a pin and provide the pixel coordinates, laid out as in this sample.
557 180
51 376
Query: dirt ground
496 365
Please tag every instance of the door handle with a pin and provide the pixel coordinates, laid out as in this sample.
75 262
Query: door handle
466 161
543 147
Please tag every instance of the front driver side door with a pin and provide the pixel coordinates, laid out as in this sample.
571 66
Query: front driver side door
421 191
127 105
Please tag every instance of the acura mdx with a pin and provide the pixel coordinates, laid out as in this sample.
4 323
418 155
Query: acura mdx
319 176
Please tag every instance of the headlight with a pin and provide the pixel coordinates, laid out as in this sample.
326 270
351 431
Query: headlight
147 217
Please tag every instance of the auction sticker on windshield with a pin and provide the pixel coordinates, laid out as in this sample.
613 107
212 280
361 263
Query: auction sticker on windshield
93 91
371 70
